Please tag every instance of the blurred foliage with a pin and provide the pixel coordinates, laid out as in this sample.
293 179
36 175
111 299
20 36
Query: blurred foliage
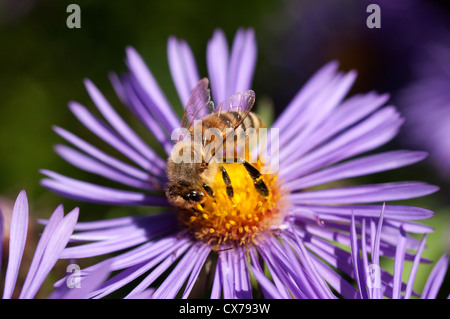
43 64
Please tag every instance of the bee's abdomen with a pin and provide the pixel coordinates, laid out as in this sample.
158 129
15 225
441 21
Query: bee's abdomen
225 120
252 120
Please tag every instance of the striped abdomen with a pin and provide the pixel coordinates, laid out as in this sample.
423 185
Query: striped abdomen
224 120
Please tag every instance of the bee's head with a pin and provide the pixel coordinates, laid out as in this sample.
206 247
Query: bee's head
187 162
181 195
187 172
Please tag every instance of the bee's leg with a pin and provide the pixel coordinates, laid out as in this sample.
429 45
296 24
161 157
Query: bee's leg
208 190
227 181
258 181
260 186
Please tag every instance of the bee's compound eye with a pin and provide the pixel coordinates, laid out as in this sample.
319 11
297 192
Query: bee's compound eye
194 196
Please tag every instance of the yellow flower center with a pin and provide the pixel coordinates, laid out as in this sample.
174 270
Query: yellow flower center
240 219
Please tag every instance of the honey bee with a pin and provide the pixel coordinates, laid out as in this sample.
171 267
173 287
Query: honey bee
189 183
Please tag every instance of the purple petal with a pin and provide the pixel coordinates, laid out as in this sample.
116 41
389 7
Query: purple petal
182 67
88 164
140 255
415 266
105 133
139 236
284 276
17 238
119 124
343 287
119 88
341 259
358 167
376 293
141 112
108 223
365 193
270 290
346 115
288 271
167 121
119 280
242 62
146 294
1 236
151 224
398 265
409 226
241 277
392 211
158 271
378 129
50 228
106 234
311 269
80 190
147 251
298 104
365 258
57 241
189 60
217 62
435 279
356 259
322 107
310 216
164 260
216 287
101 248
200 260
226 274
149 86
101 156
89 283
332 233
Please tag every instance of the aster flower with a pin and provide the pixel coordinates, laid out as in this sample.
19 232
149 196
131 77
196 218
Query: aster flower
372 281
290 243
52 242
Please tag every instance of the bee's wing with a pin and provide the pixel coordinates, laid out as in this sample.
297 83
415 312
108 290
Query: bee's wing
199 104
241 102
231 112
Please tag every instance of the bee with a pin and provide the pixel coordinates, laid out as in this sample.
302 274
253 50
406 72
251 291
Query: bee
189 183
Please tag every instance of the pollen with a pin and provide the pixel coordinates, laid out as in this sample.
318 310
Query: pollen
240 219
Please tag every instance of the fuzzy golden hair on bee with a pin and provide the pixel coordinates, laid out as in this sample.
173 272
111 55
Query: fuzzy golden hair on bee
198 155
